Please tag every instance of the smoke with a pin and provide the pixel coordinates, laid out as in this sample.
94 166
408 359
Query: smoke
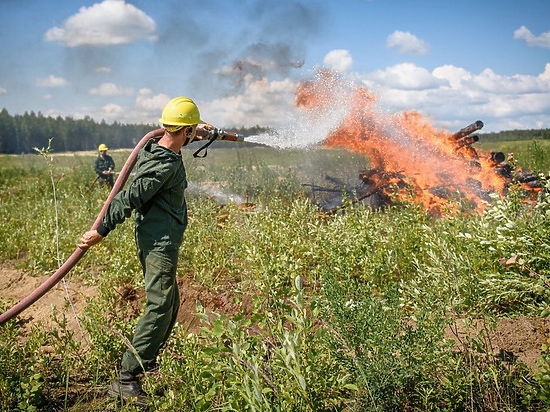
219 196
273 45
215 54
260 60
81 63
181 34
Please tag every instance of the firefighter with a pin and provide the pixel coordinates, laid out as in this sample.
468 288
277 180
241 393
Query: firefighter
104 166
157 197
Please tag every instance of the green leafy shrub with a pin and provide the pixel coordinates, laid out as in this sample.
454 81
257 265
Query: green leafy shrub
543 375
23 368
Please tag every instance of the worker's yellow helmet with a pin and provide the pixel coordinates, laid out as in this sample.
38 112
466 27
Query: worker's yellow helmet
179 112
102 147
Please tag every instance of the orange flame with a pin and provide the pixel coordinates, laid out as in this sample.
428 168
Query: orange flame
410 159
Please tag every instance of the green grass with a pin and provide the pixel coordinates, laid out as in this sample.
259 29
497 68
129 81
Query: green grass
345 312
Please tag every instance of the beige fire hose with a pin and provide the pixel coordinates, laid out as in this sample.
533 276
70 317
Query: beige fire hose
78 253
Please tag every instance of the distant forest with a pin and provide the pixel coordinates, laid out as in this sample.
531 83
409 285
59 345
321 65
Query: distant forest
527 134
21 133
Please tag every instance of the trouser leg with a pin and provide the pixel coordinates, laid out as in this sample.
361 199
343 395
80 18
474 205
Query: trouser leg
154 327
176 306
106 180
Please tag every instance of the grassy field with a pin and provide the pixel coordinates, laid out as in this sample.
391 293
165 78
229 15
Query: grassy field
284 307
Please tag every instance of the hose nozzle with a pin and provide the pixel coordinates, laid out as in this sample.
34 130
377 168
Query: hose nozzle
218 134
231 136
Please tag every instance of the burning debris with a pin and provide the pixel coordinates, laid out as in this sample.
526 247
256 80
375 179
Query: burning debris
342 194
410 160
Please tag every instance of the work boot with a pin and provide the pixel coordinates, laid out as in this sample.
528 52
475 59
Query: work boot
127 386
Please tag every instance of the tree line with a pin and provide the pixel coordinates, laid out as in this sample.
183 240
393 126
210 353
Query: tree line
527 134
21 133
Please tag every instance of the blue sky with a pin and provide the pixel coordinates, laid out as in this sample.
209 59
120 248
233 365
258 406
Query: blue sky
454 61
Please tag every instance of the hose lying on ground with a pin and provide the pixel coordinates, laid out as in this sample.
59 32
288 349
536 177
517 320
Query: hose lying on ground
78 253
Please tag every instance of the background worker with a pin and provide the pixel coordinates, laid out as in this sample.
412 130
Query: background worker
157 196
104 166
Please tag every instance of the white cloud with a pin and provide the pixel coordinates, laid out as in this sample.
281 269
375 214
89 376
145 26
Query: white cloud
338 59
521 122
103 69
511 106
262 102
145 91
109 112
461 97
102 24
407 76
542 40
110 89
3 91
51 81
454 75
47 97
489 81
407 43
450 95
112 108
151 104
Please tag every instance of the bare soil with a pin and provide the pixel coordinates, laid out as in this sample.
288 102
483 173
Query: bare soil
518 339
192 292
16 285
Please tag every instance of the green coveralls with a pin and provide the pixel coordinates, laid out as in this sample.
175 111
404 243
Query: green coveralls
103 163
157 196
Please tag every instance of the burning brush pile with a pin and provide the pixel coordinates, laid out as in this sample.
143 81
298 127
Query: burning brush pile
410 160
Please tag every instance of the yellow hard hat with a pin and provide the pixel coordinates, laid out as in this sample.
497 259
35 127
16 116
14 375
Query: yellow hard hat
180 111
102 147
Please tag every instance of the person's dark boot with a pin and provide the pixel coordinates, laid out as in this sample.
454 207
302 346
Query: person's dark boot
127 386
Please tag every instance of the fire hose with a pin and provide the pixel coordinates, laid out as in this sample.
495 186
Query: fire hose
78 253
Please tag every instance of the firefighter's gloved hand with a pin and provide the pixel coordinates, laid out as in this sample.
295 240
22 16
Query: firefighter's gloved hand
203 131
89 239
205 126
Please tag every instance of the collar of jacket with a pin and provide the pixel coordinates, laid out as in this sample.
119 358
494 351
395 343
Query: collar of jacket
155 151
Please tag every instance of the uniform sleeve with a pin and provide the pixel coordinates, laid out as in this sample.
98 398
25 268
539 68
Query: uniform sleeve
112 163
96 166
142 189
